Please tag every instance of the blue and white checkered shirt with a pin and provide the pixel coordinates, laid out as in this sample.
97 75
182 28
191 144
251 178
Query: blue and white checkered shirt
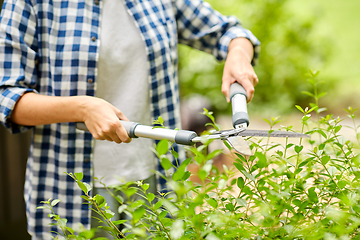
52 48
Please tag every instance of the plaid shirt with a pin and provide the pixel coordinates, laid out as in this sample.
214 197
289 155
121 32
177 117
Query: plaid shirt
52 48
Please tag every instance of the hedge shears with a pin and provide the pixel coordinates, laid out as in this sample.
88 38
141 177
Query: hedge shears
234 137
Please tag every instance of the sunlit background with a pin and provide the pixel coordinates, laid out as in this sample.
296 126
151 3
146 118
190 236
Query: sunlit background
296 36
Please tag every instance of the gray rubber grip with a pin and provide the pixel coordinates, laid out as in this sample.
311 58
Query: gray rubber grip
239 105
130 128
240 118
184 137
236 88
81 126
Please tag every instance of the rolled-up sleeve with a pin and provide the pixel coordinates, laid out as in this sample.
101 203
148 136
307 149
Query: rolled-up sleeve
18 56
201 27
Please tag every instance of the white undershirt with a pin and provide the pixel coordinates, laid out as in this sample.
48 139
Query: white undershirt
123 81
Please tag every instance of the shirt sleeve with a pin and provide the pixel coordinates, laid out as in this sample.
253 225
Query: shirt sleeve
203 28
18 56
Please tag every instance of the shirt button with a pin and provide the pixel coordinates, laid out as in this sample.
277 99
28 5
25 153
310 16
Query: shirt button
93 39
90 80
96 2
87 160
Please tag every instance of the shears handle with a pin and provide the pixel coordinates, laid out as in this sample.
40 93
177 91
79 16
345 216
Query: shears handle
238 99
135 130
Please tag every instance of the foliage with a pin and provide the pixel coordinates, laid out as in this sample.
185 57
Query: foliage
290 44
305 189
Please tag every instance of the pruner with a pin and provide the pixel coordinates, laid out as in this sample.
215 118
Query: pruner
233 137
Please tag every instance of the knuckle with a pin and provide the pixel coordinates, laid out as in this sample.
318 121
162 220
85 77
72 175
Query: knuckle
98 136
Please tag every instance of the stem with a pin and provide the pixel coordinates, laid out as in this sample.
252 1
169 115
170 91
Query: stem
108 221
318 157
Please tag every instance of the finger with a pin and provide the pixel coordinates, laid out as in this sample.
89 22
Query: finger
120 115
225 86
247 81
123 135
102 136
255 80
114 137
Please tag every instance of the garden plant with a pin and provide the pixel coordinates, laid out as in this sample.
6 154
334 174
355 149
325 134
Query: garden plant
301 189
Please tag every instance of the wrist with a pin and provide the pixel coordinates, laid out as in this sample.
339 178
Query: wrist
81 107
242 47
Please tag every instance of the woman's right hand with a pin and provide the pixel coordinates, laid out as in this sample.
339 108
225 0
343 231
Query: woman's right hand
102 120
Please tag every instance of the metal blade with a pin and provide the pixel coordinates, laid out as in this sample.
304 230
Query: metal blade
240 145
265 133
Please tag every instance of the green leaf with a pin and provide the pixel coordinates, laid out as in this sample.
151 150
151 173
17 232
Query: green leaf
212 202
79 176
163 214
186 162
230 206
62 222
165 163
212 236
322 133
100 200
108 213
179 173
312 195
342 184
122 208
241 202
202 174
162 147
214 154
118 222
186 175
159 121
54 202
240 182
332 170
320 95
248 175
289 145
177 229
300 109
298 149
150 197
308 93
145 186
72 231
227 145
325 159
43 207
82 187
337 128
157 205
239 166
262 161
175 154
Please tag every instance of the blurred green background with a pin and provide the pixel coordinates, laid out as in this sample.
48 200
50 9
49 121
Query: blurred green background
296 36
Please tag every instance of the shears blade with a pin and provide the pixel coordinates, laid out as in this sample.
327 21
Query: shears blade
267 133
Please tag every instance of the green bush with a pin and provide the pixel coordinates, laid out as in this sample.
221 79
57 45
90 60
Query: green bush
290 44
304 189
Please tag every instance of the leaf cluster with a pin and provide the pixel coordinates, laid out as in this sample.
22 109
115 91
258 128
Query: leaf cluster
302 189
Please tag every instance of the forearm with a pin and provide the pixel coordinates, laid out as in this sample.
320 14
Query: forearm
35 109
100 117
